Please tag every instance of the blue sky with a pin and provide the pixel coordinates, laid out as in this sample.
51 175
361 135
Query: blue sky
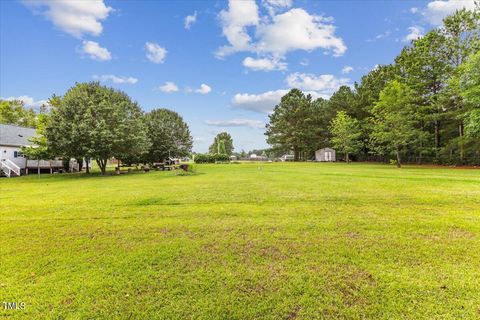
221 65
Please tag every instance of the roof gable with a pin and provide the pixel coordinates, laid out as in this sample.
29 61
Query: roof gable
11 135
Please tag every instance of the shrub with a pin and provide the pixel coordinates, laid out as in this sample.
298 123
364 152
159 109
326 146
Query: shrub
187 169
211 158
219 157
202 158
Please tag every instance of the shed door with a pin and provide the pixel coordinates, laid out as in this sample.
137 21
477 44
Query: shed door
328 156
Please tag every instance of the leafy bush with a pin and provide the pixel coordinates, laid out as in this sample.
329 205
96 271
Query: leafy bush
202 158
211 158
191 167
220 157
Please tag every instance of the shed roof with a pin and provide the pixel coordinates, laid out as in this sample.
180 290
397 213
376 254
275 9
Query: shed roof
11 135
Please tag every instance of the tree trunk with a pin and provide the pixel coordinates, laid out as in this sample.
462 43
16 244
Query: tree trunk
437 137
399 163
460 134
295 154
347 158
80 164
87 165
102 164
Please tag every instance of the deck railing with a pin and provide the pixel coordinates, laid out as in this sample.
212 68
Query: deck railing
44 164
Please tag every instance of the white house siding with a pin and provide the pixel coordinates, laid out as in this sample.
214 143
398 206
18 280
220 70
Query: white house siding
8 152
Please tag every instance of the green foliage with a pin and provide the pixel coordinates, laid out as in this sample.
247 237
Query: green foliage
187 169
295 124
441 112
40 150
223 144
211 158
393 122
169 135
469 82
94 121
14 112
346 133
473 124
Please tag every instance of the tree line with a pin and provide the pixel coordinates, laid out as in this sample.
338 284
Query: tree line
94 122
424 107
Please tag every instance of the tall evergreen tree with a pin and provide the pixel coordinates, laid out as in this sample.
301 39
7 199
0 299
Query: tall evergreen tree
294 124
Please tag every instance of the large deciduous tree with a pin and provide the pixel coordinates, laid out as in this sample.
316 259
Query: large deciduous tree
469 83
222 143
40 149
94 121
168 134
346 134
393 122
462 39
14 112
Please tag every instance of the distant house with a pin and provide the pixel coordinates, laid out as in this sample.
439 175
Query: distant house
256 157
325 155
287 157
12 161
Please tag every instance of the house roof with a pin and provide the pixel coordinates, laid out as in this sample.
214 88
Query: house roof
11 135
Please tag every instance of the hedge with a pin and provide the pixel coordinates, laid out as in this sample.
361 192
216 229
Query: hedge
211 158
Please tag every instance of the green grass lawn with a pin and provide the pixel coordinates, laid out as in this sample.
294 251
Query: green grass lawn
244 241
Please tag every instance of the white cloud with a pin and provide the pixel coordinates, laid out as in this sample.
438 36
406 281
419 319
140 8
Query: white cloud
204 89
324 84
28 101
235 20
266 101
413 10
380 36
304 62
95 51
296 29
293 30
436 11
264 64
347 69
383 35
76 18
274 6
321 86
155 53
257 124
262 103
168 87
190 20
415 33
115 79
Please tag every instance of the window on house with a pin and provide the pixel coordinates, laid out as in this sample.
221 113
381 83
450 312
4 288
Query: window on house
15 154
